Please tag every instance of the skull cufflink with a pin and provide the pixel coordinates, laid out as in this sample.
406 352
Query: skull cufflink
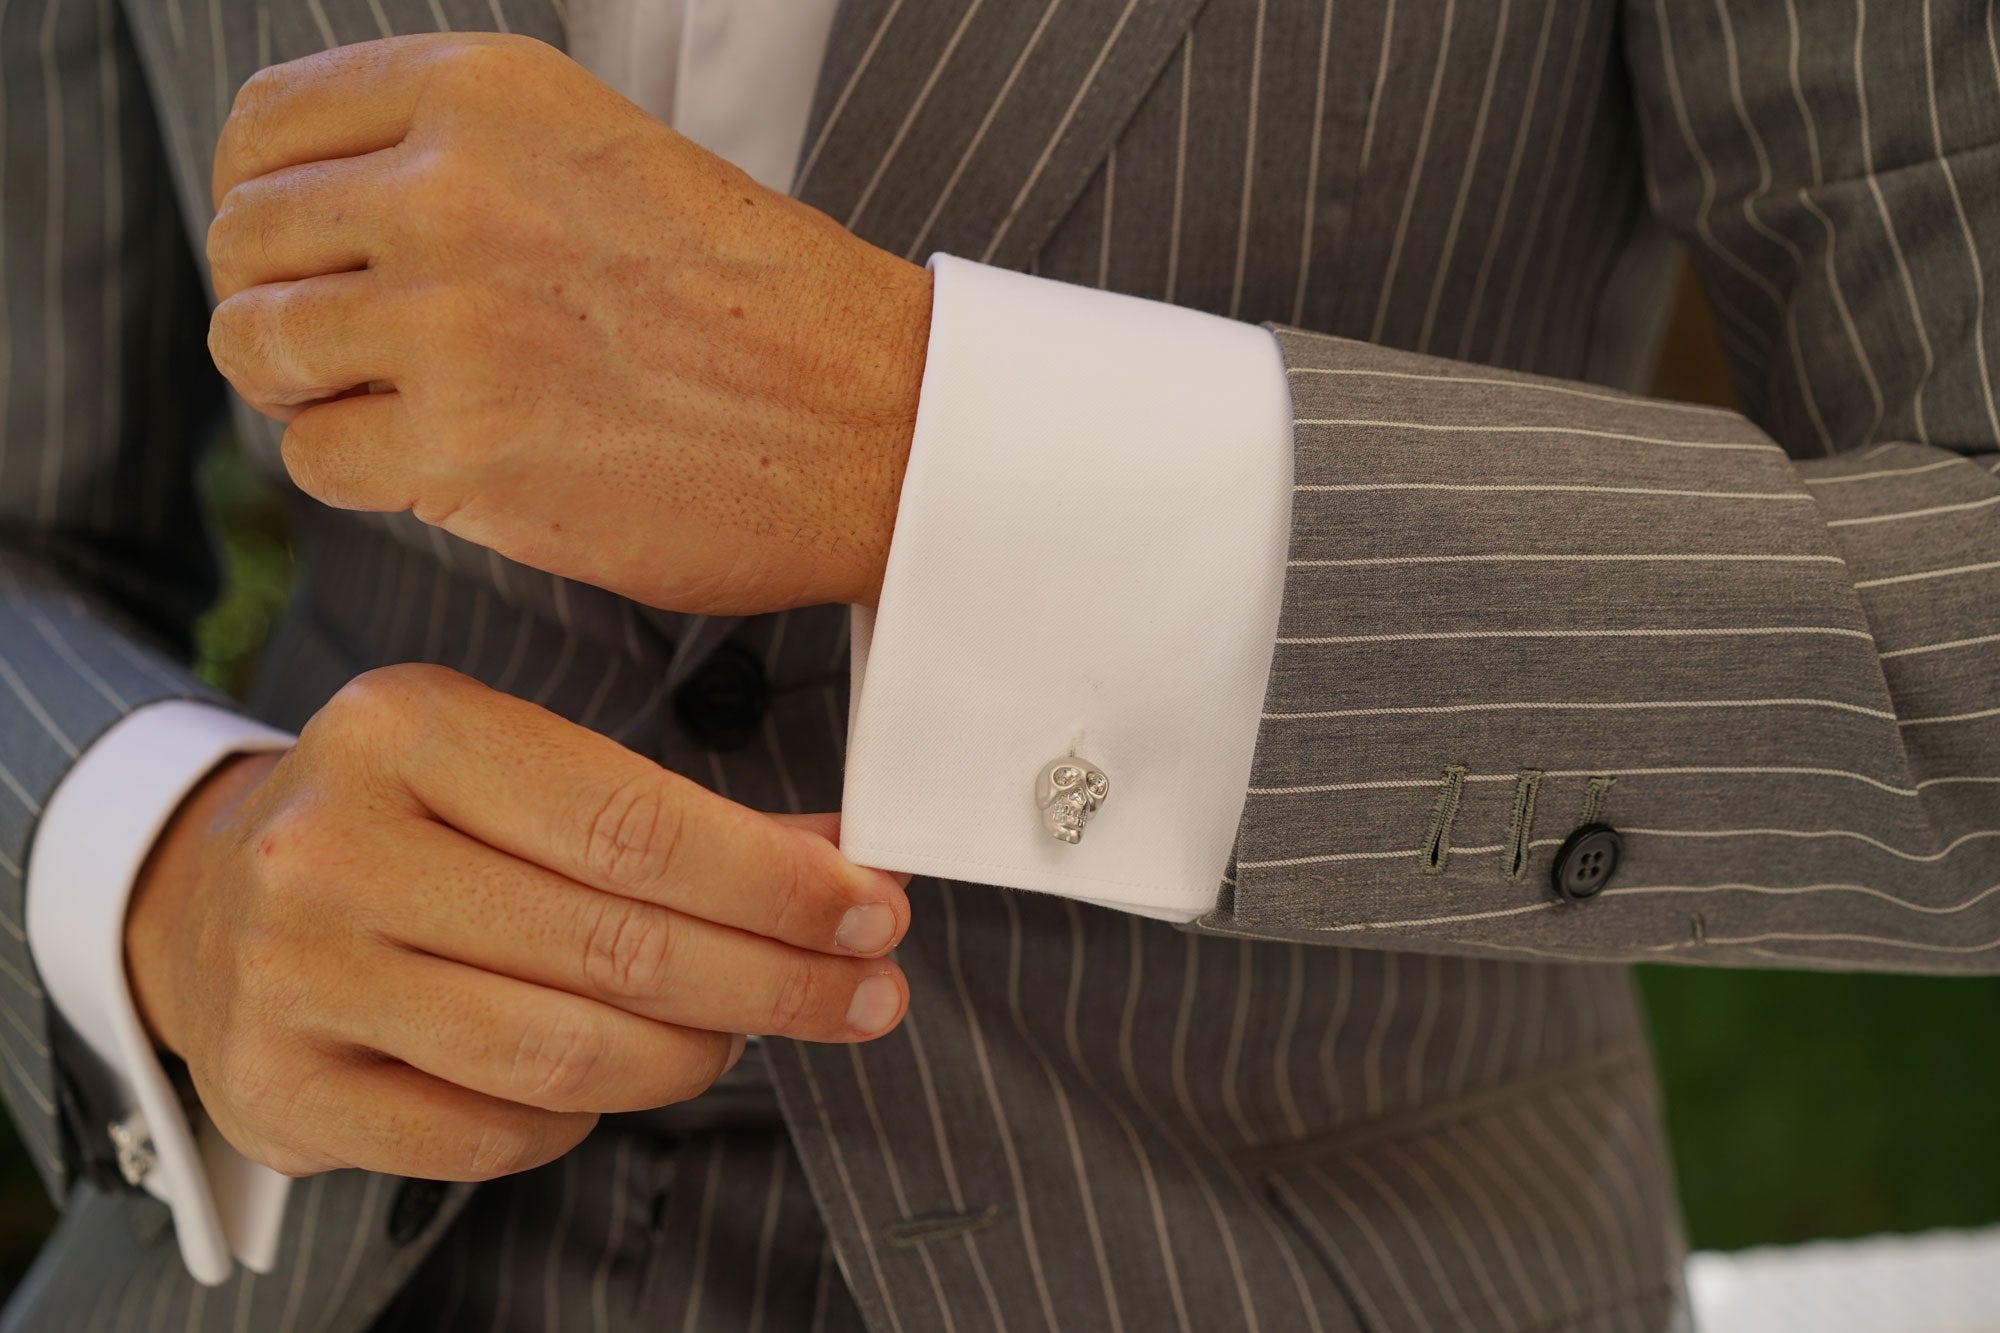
1069 790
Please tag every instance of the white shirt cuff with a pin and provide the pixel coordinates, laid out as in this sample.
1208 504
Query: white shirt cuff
1089 558
94 836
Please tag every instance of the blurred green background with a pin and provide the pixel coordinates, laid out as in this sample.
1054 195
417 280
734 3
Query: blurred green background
1800 1105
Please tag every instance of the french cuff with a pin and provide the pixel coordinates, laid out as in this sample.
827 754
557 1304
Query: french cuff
1088 562
94 835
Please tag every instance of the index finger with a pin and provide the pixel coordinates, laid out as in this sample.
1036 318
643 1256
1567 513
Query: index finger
341 102
523 780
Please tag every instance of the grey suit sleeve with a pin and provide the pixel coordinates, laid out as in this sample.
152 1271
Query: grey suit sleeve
1766 647
105 395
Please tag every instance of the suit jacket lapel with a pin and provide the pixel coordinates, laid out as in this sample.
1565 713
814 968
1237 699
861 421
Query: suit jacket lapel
972 125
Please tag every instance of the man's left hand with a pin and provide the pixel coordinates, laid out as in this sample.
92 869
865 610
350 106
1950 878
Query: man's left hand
478 284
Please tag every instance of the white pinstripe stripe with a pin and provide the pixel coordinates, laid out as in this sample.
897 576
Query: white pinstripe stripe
1763 189
35 707
1062 127
1372 1103
67 651
1915 513
1962 840
558 1235
767 1232
1619 706
55 441
621 1166
1128 1065
502 1272
1427 1017
1978 320
1973 716
1956 460
910 115
1329 1040
909 1029
1554 488
1693 632
1941 647
1229 1167
1445 1209
1865 142
704 1228
1139 1154
1533 226
822 1287
1335 1253
1384 1259
1281 1048
325 28
21 979
1496 229
1928 574
1251 95
13 784
303 1255
1180 169
1616 1275
1500 1233
1707 171
1064 1113
1232 1051
33 1087
1537 557
1471 159
894 1174
1419 1237
1472 993
1024 1215
1723 770
1387 283
1576 432
861 1228
1312 166
840 102
1850 937
1497 382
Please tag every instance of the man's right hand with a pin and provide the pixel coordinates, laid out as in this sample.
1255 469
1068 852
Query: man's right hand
448 929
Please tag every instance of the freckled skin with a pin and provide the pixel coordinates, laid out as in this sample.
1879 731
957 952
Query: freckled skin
611 355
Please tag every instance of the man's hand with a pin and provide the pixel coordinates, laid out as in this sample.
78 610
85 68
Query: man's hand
480 285
448 929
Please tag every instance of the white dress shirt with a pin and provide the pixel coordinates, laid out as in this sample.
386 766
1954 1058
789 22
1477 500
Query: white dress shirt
1088 559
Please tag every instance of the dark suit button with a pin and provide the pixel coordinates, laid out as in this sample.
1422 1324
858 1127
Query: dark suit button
723 702
415 1204
1586 861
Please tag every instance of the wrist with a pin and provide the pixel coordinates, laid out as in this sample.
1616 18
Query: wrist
901 349
168 883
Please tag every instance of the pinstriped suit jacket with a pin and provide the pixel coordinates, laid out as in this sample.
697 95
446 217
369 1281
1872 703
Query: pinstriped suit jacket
1413 1092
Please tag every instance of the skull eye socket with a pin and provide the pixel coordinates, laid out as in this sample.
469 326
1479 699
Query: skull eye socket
1065 777
1097 786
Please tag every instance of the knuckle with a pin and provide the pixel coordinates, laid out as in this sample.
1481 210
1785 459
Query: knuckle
632 836
628 948
802 1001
236 337
247 128
388 694
501 1147
558 1060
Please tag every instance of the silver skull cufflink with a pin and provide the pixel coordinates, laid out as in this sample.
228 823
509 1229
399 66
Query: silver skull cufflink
1069 790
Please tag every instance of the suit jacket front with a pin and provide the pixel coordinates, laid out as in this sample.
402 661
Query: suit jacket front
1391 1082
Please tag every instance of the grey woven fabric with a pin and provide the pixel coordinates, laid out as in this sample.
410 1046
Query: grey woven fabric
1763 647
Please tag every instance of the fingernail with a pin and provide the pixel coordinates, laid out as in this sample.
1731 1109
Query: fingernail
736 1047
866 929
874 1006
